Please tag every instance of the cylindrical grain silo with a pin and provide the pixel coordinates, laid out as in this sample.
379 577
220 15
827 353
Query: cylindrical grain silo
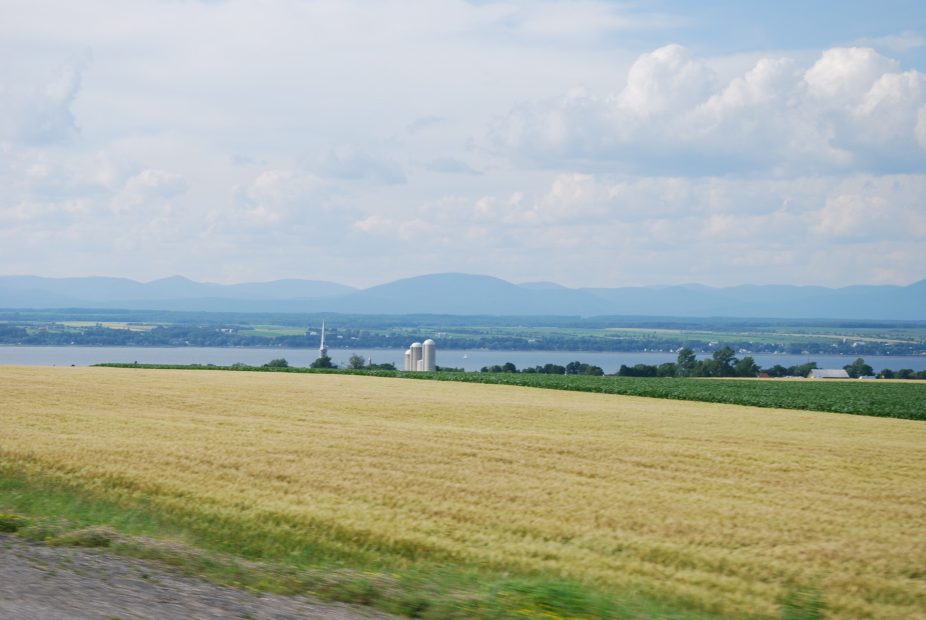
408 360
420 365
416 355
429 356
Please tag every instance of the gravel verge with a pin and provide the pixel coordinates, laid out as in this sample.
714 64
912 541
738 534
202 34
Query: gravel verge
39 582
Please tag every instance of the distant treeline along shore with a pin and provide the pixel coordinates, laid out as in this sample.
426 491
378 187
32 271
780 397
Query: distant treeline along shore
231 336
722 363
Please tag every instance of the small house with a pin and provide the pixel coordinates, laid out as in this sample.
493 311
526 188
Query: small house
828 373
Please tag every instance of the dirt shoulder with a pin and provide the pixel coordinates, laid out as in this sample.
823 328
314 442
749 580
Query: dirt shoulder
38 582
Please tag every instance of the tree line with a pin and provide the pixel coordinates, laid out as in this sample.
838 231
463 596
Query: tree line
572 368
214 336
724 363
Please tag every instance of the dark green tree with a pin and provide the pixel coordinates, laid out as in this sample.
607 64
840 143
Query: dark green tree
323 362
638 370
859 368
573 368
356 362
723 363
686 361
667 370
747 367
702 368
280 363
801 371
777 371
590 370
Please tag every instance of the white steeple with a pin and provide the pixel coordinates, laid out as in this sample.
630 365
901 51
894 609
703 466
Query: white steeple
323 350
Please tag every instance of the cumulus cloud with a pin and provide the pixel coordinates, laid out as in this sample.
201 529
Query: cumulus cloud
148 187
843 75
628 167
868 224
851 110
278 195
859 217
669 80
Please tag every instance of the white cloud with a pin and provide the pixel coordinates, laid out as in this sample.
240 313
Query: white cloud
852 110
258 140
666 81
150 187
582 19
903 42
868 217
846 74
278 196
40 114
921 126
701 226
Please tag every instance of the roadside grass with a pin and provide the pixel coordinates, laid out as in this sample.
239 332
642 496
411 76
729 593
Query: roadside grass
44 510
478 494
889 399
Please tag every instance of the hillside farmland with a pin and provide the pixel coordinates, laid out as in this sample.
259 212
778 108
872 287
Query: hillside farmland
720 508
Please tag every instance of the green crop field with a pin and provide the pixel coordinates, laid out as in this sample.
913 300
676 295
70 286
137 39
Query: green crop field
886 399
889 400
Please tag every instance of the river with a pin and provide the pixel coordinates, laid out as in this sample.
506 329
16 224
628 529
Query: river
474 360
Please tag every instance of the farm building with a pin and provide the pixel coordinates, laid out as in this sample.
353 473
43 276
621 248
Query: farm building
821 373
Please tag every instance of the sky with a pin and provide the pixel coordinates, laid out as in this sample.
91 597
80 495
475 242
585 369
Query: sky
588 143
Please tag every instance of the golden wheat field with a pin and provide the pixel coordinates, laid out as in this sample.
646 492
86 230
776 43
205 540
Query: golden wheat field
719 505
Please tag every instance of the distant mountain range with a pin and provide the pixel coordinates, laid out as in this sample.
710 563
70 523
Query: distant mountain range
463 294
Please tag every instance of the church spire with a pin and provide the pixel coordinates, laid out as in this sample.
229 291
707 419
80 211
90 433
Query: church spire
323 350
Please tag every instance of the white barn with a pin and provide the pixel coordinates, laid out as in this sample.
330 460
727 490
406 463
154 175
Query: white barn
822 373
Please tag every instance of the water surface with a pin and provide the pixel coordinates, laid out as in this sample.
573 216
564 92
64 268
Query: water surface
610 362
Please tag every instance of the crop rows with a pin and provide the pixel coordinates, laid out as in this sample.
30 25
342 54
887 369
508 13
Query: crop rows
872 398
719 509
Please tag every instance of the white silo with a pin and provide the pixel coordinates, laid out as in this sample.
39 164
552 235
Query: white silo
429 356
420 365
408 360
416 355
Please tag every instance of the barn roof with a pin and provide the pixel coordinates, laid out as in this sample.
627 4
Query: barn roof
829 373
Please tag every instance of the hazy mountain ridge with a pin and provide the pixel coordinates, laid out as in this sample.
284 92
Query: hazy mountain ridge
464 294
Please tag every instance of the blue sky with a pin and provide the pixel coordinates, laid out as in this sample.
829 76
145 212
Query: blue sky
589 143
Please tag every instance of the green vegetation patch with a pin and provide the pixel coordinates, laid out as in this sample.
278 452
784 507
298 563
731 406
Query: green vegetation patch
887 400
905 401
231 552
